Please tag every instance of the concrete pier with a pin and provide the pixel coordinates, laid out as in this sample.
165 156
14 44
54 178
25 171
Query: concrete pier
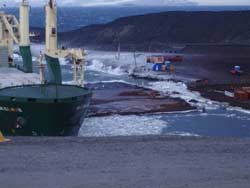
146 162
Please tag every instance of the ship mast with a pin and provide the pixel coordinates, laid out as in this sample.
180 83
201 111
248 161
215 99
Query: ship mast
52 53
51 28
24 32
24 23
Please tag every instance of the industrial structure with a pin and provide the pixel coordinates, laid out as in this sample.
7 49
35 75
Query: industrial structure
14 32
31 105
53 54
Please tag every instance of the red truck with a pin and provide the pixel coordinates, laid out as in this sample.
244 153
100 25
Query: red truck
176 58
162 59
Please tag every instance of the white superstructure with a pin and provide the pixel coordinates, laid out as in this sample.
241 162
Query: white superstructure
51 29
9 32
12 32
52 50
24 24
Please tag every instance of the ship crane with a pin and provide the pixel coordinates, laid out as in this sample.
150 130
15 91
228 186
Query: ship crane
9 33
12 32
52 53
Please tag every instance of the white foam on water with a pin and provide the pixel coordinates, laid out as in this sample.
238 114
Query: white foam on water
109 63
37 48
117 125
17 57
109 81
180 90
14 77
183 134
98 65
239 109
63 61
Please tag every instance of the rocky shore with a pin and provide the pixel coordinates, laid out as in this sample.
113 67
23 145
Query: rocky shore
125 99
217 93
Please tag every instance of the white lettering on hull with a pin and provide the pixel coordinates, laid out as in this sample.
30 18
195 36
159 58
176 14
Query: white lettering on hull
10 109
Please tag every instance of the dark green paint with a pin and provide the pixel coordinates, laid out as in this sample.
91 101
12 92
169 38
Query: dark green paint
43 116
54 68
27 59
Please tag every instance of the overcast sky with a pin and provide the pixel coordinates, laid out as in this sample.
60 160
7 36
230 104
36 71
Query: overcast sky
135 2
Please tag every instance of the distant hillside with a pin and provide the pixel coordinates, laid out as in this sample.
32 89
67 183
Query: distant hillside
160 30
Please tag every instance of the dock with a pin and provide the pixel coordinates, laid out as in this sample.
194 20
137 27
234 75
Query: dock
127 99
143 162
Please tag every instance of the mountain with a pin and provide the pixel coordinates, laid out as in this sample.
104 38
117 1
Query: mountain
160 30
93 3
159 3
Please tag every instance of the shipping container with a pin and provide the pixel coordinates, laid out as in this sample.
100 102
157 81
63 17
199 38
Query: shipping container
248 93
246 88
241 95
157 67
176 58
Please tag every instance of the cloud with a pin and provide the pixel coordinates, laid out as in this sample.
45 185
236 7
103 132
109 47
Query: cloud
100 2
129 2
224 2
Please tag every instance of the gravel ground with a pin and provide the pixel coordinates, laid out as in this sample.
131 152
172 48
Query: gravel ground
147 162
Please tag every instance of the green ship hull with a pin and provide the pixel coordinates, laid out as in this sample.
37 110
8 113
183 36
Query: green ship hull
54 68
27 59
43 110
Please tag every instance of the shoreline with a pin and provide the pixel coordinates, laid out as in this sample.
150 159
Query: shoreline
129 99
212 92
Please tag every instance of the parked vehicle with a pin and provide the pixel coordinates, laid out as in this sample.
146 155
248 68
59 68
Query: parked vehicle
236 71
162 59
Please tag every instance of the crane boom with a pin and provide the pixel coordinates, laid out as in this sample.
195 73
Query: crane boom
12 32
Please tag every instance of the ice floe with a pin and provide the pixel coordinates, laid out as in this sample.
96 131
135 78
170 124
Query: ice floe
122 125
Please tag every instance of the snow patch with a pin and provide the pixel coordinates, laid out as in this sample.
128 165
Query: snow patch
122 126
180 90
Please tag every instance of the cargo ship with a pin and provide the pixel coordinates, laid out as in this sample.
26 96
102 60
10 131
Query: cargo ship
30 104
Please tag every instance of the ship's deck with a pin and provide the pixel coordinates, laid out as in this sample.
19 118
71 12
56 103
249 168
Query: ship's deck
44 92
25 85
14 77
